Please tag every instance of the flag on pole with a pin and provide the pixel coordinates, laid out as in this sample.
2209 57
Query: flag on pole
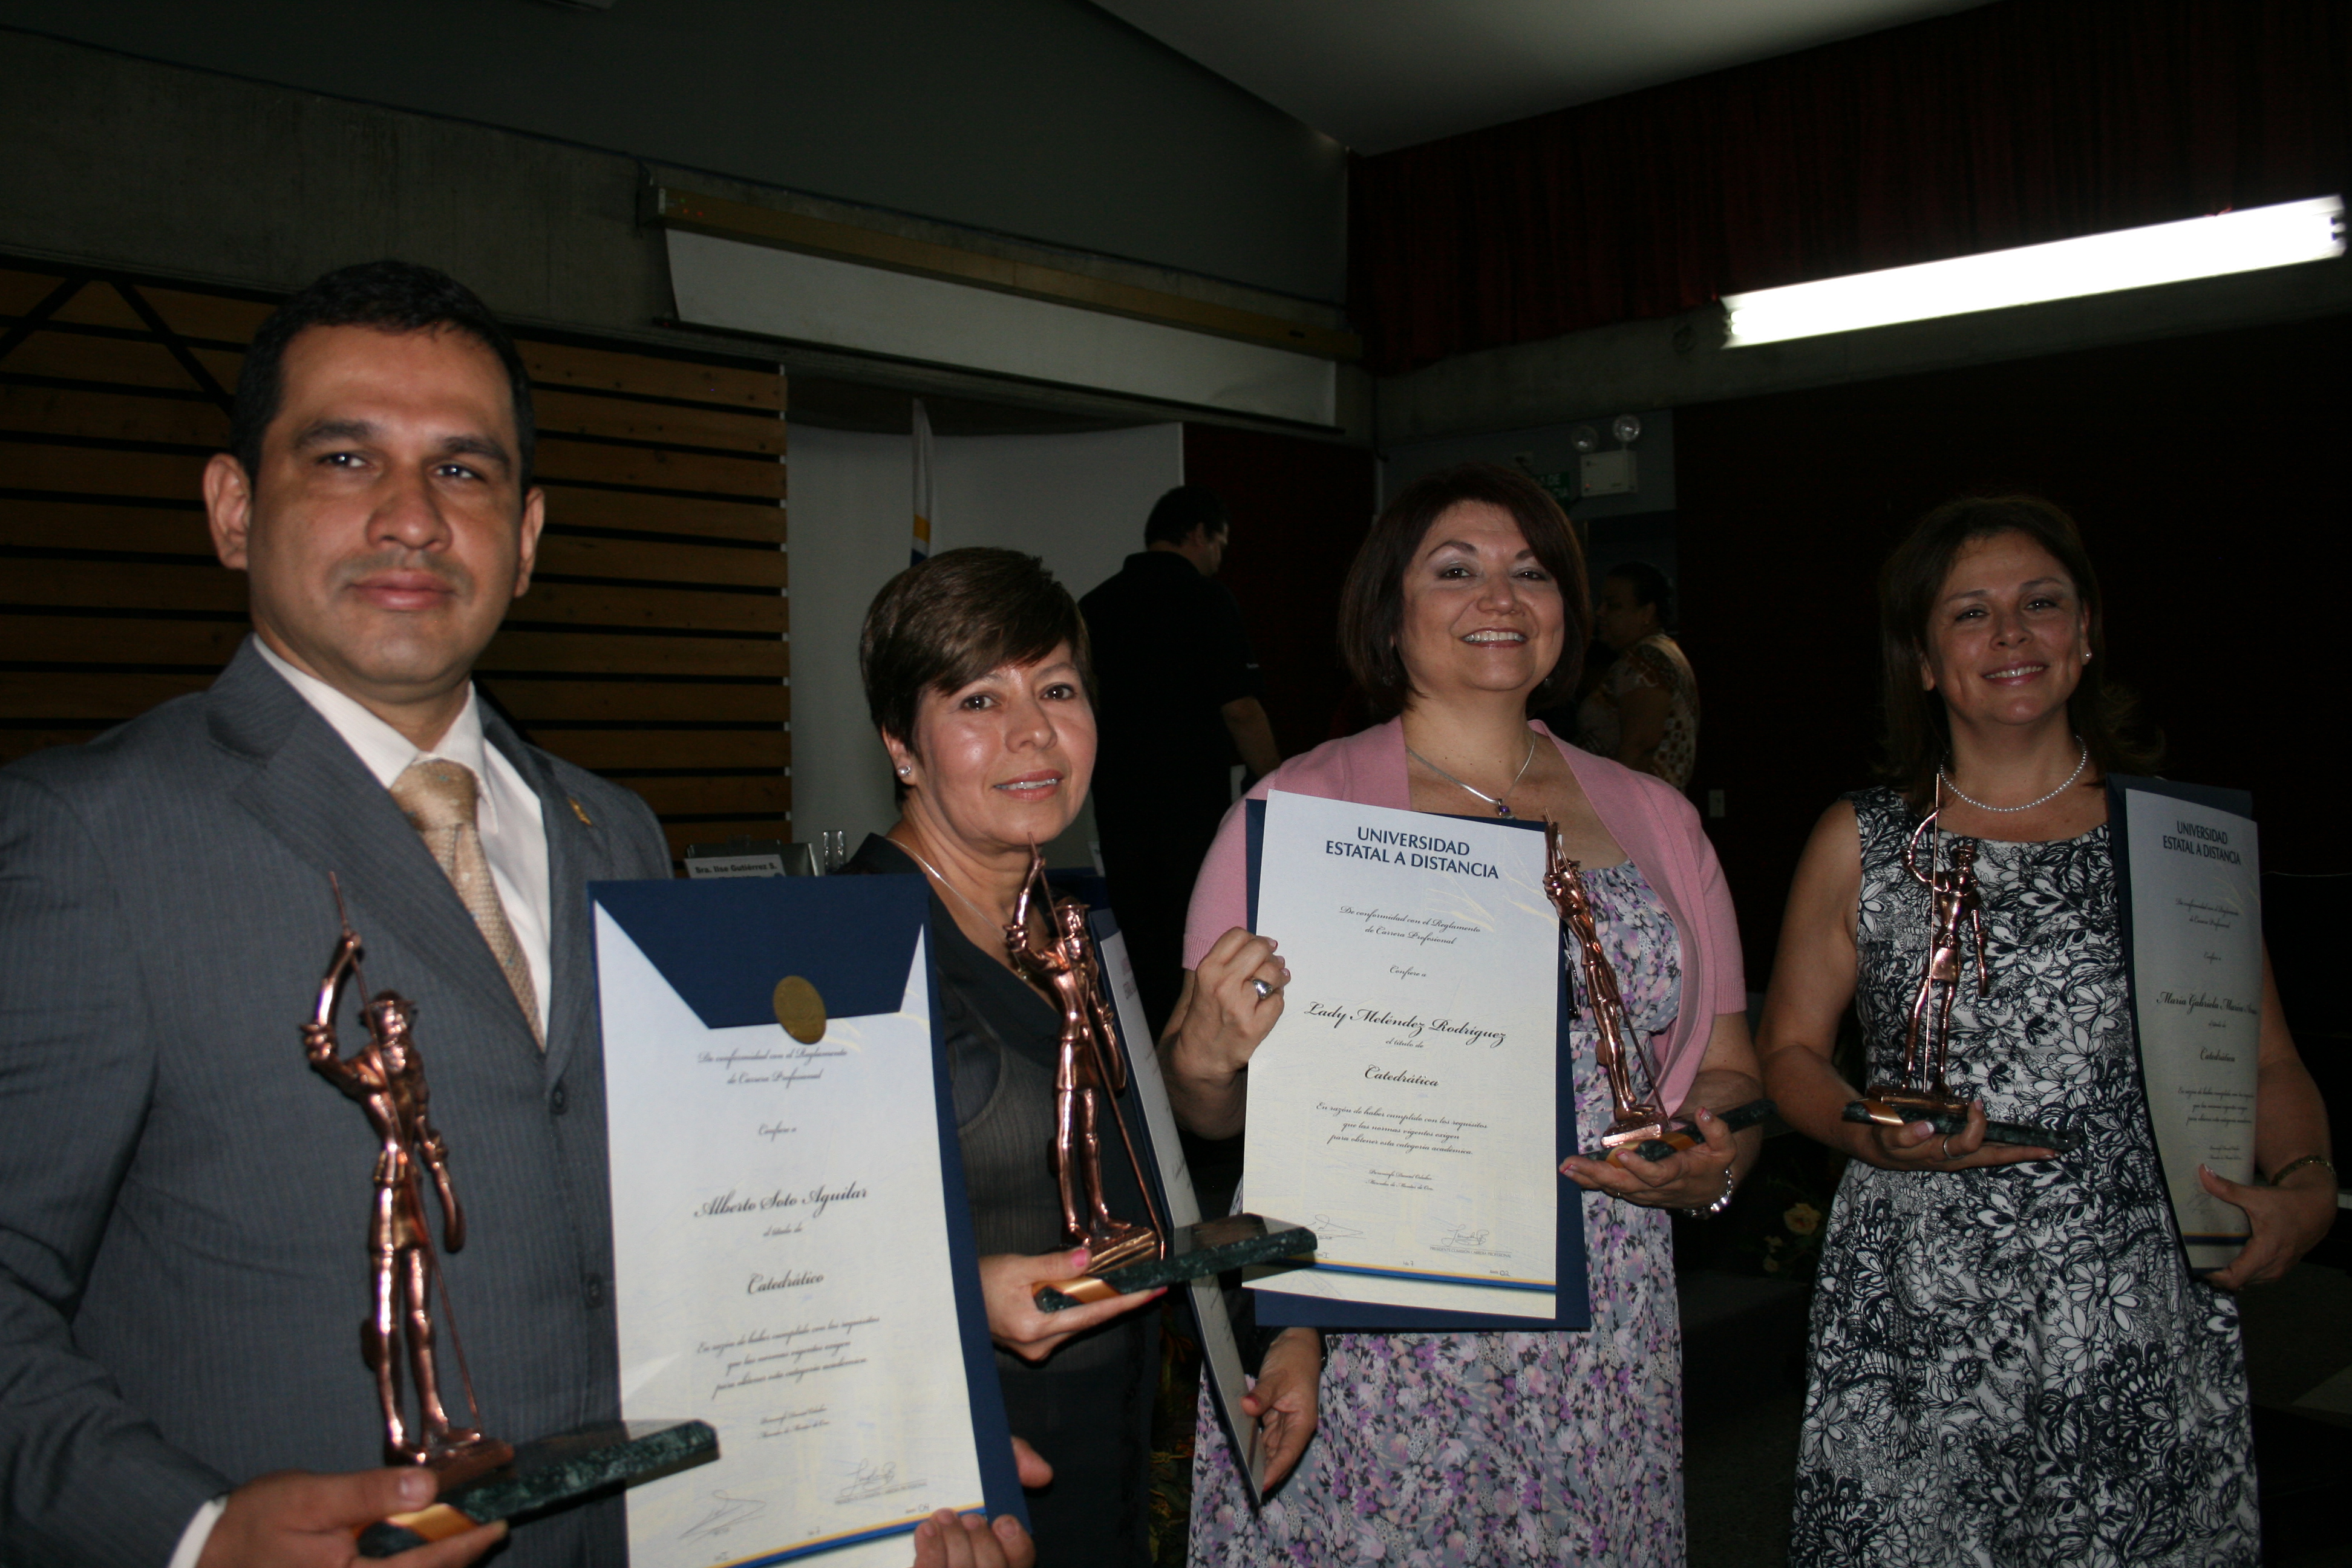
922 486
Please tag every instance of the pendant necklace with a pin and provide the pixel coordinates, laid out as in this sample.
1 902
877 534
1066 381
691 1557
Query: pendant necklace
1496 802
2082 762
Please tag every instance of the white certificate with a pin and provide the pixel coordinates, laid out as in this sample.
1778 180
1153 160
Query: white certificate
782 1257
1404 1107
2193 882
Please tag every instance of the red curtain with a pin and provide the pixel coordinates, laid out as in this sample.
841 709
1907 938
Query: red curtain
2011 124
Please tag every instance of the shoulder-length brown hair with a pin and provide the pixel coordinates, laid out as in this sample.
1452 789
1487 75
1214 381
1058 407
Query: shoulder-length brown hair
1371 605
1918 731
943 625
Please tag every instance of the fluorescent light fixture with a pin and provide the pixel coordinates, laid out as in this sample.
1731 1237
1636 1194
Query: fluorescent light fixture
2246 241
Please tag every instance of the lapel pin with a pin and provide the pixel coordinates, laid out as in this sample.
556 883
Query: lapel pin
578 813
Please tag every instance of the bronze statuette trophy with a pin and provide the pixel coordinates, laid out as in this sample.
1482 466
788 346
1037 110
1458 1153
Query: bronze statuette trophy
1090 1074
481 1479
1640 1122
1955 928
387 1078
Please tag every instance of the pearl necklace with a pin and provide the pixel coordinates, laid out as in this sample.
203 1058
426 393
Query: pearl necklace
2083 762
1501 809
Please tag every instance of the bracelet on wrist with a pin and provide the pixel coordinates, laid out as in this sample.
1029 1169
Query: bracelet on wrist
1722 1200
2291 1166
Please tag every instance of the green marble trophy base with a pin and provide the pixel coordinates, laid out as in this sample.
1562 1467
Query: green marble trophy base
552 1471
1212 1246
1895 1109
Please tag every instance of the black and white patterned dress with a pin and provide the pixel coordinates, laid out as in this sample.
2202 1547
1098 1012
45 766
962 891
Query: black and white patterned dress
2012 1365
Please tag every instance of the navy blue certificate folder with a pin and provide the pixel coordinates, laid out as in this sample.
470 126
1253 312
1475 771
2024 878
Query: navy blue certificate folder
1574 1303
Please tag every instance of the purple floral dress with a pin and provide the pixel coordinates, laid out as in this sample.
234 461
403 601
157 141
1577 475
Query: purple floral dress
1463 1449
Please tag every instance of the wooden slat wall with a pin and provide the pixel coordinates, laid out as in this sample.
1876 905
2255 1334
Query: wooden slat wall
652 647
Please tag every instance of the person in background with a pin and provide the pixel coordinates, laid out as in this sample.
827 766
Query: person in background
976 673
2011 1364
1644 711
1180 703
1465 604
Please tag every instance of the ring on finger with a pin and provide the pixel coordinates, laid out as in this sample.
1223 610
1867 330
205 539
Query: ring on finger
1947 1148
1262 988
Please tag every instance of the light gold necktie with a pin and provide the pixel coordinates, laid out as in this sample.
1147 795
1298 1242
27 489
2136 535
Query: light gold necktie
440 798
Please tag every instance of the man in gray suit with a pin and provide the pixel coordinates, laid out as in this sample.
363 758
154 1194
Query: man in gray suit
183 1203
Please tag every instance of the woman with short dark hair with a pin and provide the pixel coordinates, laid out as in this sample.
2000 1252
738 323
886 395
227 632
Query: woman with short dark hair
1466 602
976 672
2011 1363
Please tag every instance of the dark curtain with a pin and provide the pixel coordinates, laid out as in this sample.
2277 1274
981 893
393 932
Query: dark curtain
2222 611
2011 124
1300 508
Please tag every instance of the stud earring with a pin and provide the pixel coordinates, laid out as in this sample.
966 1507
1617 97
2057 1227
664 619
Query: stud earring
904 769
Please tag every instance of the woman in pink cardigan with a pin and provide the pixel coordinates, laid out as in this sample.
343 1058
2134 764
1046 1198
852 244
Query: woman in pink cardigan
1467 602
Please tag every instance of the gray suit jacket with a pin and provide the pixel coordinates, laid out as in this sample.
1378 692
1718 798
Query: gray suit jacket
183 1203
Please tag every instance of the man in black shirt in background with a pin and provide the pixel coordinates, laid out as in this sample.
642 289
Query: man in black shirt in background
1179 706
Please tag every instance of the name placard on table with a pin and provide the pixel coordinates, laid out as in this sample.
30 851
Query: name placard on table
2189 883
792 1242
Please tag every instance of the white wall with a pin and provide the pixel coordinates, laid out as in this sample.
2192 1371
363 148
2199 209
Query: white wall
741 287
1079 501
850 522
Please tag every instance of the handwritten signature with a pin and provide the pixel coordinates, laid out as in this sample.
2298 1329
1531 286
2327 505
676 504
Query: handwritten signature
730 1512
1464 1238
873 1480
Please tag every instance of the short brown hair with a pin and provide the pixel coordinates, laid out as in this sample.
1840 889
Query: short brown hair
1372 606
1918 733
943 624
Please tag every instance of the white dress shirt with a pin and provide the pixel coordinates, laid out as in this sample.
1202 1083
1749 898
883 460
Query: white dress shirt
514 836
514 841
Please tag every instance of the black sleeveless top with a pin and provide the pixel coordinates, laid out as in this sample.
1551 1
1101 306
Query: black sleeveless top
1086 1408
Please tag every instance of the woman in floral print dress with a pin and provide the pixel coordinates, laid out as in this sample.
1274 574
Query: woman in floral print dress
2010 1364
1487 1448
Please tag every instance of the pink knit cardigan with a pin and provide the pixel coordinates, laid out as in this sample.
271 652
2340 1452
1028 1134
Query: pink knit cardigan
1657 828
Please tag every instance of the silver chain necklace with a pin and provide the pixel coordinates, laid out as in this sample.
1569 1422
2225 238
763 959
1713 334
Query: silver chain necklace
1501 809
937 876
2082 762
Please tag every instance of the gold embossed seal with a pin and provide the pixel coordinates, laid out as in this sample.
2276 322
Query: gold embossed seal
800 1009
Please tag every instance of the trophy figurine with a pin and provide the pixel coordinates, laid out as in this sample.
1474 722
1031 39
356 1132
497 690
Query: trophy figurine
1955 928
1638 1117
1090 1074
481 1479
1639 1122
386 1077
